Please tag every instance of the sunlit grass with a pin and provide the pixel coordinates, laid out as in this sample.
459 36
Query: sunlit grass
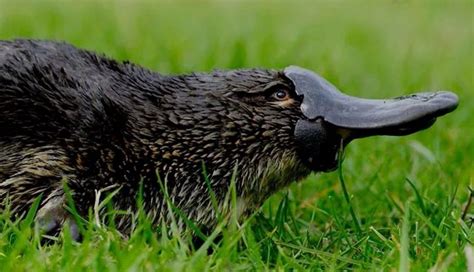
407 193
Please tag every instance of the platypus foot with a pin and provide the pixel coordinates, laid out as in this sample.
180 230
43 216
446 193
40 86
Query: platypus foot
52 217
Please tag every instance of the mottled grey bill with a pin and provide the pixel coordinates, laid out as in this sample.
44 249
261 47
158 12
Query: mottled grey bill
397 116
332 119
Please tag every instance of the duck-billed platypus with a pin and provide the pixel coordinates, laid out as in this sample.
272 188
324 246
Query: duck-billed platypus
70 115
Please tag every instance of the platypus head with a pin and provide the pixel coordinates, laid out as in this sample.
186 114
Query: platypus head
296 111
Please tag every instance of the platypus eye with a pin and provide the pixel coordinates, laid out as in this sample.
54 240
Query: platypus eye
280 95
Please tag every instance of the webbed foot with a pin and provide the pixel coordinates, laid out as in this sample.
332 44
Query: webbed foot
53 217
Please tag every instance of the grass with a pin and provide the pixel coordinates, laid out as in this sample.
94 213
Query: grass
405 194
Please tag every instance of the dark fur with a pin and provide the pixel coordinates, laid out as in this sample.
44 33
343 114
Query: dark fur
69 114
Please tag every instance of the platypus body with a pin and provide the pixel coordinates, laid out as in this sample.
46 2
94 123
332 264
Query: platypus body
71 116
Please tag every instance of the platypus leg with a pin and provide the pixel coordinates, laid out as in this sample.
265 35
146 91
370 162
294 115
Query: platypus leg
52 217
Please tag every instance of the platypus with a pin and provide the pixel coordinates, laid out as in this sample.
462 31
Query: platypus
70 118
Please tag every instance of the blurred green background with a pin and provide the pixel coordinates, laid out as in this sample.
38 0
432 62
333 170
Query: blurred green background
372 49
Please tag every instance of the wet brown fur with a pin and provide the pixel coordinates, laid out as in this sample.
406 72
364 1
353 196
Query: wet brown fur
71 115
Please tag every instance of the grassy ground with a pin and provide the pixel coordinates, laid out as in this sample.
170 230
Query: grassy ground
367 48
